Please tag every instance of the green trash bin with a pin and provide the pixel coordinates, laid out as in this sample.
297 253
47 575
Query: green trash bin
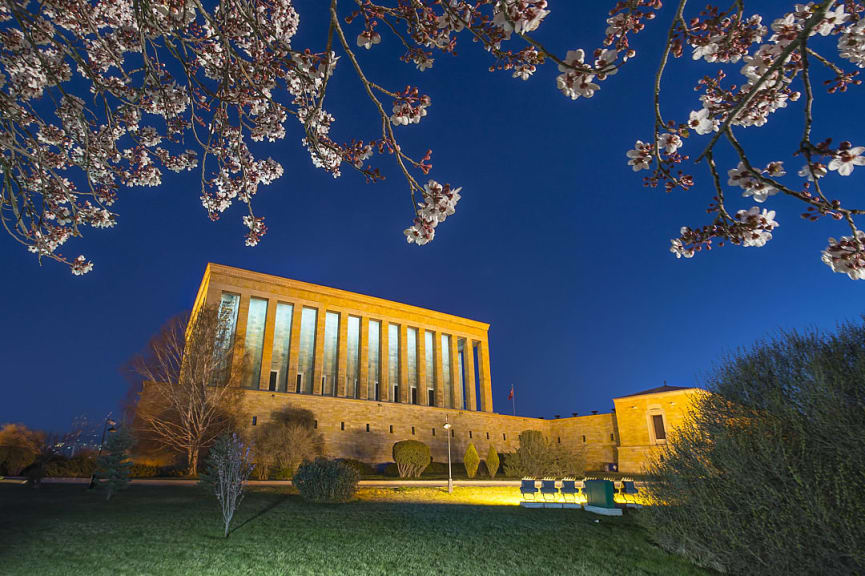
599 497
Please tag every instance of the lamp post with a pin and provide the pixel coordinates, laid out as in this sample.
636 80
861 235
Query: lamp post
447 428
107 427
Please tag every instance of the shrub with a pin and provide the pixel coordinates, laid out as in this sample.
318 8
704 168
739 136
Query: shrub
82 465
172 471
282 473
261 471
471 460
19 447
537 457
286 441
143 471
411 457
326 481
768 471
492 462
363 469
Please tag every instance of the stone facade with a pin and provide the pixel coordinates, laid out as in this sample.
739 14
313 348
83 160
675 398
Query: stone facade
456 342
365 424
367 430
636 416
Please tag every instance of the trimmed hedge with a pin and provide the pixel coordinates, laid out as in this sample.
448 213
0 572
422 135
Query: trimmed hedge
471 460
411 457
326 481
363 469
79 466
143 471
492 462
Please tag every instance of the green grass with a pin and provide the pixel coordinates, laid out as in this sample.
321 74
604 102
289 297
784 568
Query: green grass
67 530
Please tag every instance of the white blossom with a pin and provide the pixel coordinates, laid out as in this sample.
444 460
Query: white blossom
677 248
439 202
752 185
816 170
757 226
851 43
520 16
669 142
846 158
846 255
368 38
640 158
575 83
702 122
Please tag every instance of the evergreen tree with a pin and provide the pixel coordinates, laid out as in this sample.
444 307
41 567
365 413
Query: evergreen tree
113 464
471 460
492 462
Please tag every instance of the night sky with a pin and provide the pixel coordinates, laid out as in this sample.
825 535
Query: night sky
555 242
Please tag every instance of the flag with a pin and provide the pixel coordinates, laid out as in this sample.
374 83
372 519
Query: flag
511 395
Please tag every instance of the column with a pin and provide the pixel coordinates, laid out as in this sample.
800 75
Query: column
404 392
294 347
469 369
342 355
267 347
238 362
456 388
363 372
383 381
484 373
439 383
318 360
421 367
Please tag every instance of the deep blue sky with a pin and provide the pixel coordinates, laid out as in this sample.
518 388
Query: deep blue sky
555 243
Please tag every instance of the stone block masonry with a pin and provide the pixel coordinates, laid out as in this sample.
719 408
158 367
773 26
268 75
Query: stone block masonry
374 372
367 431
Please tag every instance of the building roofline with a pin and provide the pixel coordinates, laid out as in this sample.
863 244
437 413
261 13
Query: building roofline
243 273
658 391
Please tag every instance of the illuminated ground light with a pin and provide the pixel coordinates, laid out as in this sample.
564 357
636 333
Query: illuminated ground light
474 495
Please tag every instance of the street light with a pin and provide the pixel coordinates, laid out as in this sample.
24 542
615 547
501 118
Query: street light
107 427
447 428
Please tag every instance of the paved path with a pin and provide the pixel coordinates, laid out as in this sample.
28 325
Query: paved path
276 483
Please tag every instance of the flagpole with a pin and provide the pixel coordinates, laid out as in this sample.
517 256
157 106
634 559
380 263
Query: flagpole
514 399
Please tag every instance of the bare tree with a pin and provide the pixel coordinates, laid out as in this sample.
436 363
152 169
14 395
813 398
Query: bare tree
228 467
191 385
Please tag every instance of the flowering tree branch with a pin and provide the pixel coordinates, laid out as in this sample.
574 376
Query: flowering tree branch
167 74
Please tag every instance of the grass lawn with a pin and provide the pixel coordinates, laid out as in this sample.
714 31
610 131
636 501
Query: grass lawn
147 530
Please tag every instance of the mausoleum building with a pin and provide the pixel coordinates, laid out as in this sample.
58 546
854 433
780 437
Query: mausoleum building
374 372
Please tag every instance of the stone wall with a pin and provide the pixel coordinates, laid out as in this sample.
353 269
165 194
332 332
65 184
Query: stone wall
366 430
637 443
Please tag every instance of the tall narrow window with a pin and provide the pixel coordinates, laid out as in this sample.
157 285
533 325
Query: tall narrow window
331 346
281 344
446 371
430 353
353 360
229 304
411 360
255 339
393 360
460 364
228 307
306 353
658 424
374 360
